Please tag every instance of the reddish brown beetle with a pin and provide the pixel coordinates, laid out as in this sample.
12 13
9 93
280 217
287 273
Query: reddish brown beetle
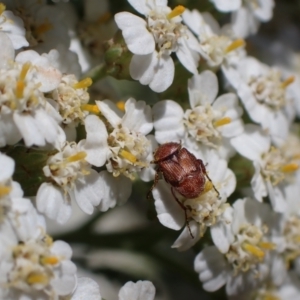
182 170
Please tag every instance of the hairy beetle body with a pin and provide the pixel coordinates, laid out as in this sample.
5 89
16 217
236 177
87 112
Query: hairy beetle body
182 170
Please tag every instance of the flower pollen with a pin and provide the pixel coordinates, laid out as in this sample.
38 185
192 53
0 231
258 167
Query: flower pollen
235 45
248 249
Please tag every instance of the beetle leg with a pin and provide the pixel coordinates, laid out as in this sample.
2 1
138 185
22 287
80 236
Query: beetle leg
202 166
185 211
153 185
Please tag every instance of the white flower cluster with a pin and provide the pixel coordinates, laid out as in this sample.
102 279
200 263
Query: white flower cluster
45 106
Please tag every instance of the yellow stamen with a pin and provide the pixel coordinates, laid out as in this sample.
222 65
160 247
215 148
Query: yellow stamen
296 239
84 83
24 70
127 155
270 297
4 190
208 186
235 44
177 11
50 260
296 156
223 121
254 250
76 157
20 88
104 18
121 105
90 108
2 8
37 278
48 240
267 245
288 81
289 168
43 28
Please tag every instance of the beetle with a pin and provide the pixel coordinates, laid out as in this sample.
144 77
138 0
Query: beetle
185 173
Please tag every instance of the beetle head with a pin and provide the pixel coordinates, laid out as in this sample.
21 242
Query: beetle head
166 150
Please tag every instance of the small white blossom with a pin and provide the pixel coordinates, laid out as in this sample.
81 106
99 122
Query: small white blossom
273 169
32 265
217 46
72 179
141 290
25 112
13 27
44 24
238 259
152 42
247 14
263 93
211 122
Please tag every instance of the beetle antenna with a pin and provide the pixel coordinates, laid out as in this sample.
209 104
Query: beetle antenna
218 193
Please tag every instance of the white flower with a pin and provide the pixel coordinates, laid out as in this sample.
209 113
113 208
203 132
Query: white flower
25 112
210 122
203 211
273 169
263 93
247 14
31 263
247 18
86 289
72 179
217 46
129 147
238 259
8 188
71 97
152 42
141 290
12 26
44 24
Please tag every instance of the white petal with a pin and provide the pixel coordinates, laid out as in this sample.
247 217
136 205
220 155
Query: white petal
136 35
7 50
244 22
252 143
7 167
258 183
227 6
110 112
62 249
168 121
114 190
9 132
138 116
88 193
141 290
203 88
185 240
51 202
86 289
27 126
95 145
150 69
148 173
277 198
212 268
219 237
65 281
169 213
188 57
